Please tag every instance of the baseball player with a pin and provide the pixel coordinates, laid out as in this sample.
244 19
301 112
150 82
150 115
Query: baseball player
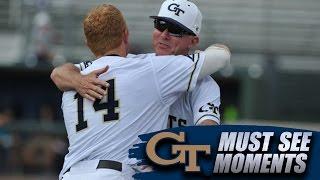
101 132
201 106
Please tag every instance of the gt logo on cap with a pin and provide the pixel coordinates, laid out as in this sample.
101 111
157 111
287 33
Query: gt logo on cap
175 8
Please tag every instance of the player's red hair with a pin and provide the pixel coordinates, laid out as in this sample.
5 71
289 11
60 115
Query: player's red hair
104 28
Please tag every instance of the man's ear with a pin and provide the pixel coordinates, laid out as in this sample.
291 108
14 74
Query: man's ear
126 36
195 40
194 43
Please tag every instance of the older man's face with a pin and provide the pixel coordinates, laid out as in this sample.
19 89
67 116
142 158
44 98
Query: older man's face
169 39
166 44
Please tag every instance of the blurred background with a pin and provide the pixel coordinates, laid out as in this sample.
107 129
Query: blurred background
274 77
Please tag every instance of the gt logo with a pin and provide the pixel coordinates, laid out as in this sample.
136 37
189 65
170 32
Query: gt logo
209 107
180 150
175 8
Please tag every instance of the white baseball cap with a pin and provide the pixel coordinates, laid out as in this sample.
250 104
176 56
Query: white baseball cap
182 13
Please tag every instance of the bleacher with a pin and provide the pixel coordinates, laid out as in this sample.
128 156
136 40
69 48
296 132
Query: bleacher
4 14
256 31
249 26
273 76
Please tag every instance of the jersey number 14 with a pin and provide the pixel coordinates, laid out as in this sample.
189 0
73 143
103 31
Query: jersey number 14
110 106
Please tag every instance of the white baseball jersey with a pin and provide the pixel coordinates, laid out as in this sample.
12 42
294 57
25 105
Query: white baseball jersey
192 107
138 100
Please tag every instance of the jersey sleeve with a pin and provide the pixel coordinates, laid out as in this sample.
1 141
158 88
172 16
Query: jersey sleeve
176 74
205 101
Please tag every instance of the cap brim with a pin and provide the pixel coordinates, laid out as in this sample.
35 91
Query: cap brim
170 20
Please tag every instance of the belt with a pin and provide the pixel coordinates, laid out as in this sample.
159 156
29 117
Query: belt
107 164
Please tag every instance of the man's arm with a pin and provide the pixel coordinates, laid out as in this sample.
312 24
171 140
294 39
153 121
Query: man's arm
208 122
205 102
217 56
68 77
177 74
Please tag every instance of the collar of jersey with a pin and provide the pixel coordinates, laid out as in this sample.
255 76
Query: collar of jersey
112 55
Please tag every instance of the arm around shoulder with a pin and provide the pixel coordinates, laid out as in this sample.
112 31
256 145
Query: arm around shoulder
68 77
64 76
